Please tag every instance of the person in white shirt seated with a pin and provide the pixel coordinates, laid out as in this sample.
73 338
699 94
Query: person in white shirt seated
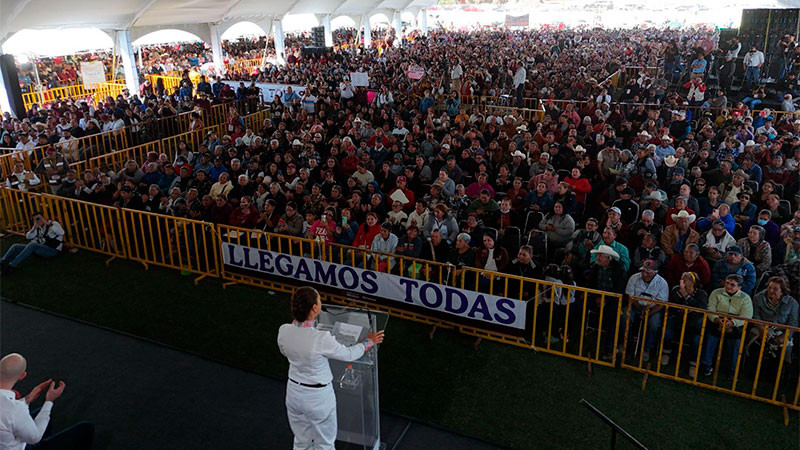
310 400
21 178
648 284
46 239
21 428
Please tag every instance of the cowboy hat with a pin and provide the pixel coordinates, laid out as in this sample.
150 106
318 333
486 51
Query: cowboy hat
645 133
671 160
657 195
522 128
579 148
741 173
745 191
666 138
684 215
518 153
605 250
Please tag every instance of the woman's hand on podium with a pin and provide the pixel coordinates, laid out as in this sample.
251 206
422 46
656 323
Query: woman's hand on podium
375 337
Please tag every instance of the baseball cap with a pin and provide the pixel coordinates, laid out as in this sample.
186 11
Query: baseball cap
648 265
734 249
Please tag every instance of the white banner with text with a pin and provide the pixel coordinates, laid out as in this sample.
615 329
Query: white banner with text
498 311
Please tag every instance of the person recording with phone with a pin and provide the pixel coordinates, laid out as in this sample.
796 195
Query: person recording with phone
310 399
46 239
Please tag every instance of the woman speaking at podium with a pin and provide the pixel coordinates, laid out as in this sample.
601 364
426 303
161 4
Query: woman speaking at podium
310 401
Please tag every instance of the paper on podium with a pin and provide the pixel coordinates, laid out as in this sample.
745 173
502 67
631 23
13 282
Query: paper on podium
347 333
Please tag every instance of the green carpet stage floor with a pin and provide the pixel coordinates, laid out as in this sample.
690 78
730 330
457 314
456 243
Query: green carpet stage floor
499 393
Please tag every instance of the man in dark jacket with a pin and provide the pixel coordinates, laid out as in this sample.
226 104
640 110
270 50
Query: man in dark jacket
523 266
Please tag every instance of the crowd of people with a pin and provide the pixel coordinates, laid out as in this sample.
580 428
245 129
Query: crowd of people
675 202
161 59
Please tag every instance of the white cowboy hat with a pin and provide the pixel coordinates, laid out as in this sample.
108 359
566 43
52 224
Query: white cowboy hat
605 250
671 160
518 153
645 133
297 142
657 195
750 143
579 148
666 138
522 128
684 215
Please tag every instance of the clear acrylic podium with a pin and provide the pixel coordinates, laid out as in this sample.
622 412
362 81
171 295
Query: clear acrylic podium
357 409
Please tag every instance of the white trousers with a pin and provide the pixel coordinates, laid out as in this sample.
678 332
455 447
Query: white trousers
312 416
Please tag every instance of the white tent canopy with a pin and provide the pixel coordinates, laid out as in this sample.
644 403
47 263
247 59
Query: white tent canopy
151 15
127 20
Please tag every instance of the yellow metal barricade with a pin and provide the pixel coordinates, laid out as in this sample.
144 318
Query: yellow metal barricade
88 225
16 208
116 160
596 320
187 245
77 91
255 121
169 83
567 320
754 362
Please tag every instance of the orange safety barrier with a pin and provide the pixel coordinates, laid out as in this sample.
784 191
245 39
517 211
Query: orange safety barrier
757 365
77 91
88 147
761 370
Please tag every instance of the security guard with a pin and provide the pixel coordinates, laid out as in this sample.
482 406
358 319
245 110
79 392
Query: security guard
310 401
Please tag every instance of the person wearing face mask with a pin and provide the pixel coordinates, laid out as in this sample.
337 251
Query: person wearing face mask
771 230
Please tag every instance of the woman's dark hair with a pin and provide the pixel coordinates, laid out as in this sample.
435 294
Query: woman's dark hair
566 274
303 299
552 270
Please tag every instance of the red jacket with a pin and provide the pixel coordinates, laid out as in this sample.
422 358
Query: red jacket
240 218
581 187
366 235
349 165
677 266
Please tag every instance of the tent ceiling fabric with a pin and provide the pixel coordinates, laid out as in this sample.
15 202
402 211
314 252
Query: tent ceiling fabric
16 15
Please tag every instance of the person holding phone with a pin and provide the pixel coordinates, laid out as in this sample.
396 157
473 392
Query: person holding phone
310 399
46 240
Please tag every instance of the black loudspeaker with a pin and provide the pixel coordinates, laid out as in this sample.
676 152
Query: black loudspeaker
318 36
11 82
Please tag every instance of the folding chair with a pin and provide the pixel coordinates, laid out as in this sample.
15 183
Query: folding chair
538 240
532 220
785 205
511 240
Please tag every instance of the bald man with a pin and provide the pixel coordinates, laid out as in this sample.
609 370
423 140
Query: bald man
18 428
